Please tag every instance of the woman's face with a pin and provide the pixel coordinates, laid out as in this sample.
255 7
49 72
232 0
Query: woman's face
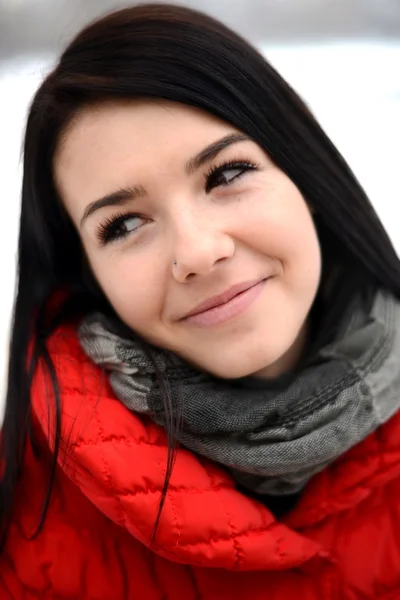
202 245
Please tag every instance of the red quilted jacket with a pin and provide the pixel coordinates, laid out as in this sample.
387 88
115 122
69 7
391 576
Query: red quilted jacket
342 541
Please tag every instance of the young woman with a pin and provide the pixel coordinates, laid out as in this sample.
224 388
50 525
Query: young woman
205 359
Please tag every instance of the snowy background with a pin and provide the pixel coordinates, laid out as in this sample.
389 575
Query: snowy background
350 80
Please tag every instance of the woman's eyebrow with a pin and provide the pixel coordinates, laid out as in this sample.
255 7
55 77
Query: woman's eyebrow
125 195
213 150
117 198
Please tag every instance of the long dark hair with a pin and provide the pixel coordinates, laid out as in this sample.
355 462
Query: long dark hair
173 53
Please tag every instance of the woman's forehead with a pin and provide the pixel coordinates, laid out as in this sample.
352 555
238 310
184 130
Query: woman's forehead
107 136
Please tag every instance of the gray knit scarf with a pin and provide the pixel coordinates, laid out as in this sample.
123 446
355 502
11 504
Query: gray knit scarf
272 436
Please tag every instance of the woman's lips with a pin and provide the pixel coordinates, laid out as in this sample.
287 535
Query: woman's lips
230 309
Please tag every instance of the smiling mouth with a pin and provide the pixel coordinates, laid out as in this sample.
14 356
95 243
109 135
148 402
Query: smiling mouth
227 306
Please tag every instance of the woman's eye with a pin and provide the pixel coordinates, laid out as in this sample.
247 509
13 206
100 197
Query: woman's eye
119 227
227 174
130 224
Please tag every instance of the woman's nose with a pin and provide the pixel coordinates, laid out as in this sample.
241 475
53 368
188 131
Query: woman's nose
198 248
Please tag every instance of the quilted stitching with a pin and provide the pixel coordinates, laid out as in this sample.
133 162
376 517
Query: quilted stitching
111 472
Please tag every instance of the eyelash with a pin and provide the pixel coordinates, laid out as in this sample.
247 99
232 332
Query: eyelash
108 230
243 165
